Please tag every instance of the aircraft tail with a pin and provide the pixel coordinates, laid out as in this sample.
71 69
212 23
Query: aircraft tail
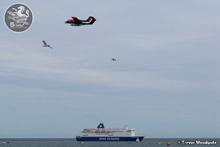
91 20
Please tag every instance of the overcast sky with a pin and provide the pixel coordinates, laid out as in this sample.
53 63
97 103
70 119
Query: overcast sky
165 82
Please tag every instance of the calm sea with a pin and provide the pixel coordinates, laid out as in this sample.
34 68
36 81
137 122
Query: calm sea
174 142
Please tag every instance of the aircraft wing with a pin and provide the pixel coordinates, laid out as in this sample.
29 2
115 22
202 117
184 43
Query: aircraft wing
75 18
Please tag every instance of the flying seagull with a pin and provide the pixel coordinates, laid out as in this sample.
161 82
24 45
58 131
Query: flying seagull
113 59
46 45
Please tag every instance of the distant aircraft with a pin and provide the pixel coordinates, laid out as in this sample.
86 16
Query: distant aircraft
113 59
76 22
46 45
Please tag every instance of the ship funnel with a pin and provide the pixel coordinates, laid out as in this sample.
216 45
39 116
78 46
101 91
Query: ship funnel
101 126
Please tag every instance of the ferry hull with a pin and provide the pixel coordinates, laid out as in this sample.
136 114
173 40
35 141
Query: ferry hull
133 138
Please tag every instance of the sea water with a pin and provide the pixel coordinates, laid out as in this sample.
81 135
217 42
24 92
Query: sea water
174 142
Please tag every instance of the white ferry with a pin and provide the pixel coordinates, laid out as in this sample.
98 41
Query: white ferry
108 134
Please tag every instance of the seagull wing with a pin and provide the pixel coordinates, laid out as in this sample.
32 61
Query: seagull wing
44 42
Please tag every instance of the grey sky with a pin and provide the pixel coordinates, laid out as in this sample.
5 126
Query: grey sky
165 82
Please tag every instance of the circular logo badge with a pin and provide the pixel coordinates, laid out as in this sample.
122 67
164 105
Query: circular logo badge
18 18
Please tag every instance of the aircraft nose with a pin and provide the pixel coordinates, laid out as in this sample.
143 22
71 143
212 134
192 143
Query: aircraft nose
65 21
